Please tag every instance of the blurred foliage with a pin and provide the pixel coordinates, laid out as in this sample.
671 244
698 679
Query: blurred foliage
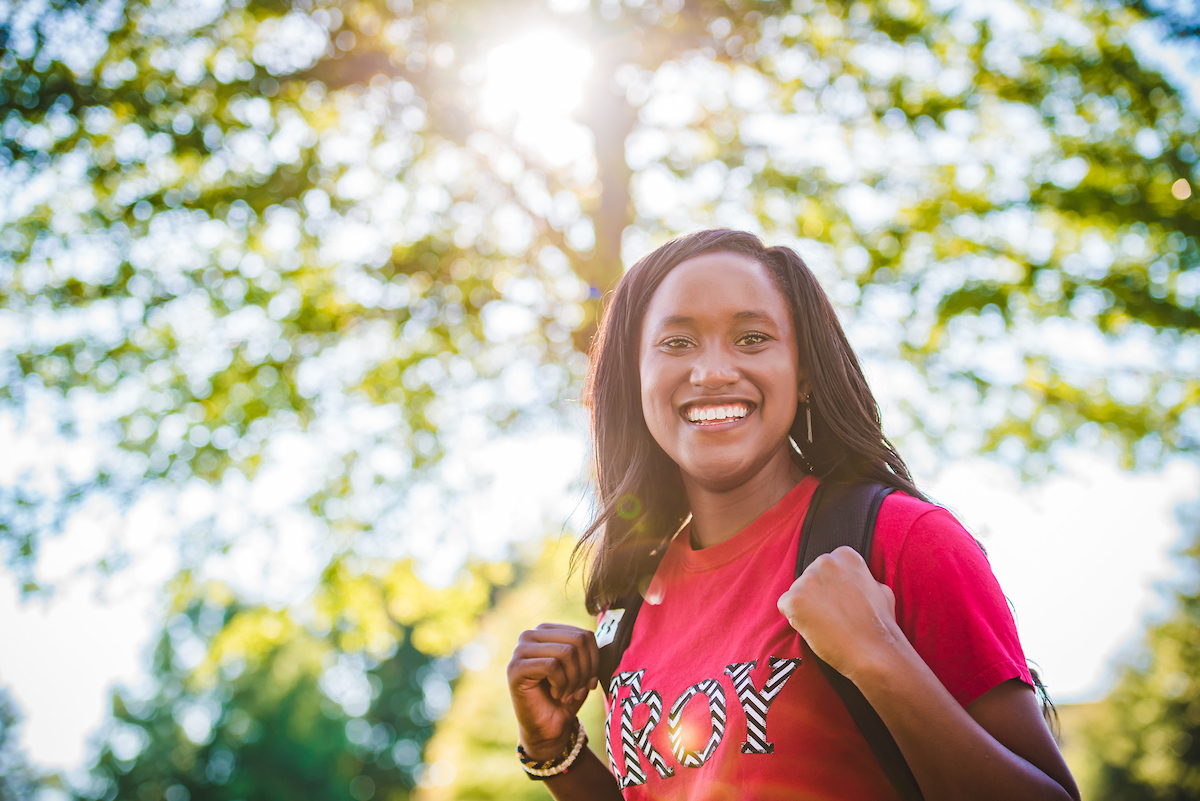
231 227
1143 740
1019 192
1180 18
239 221
1074 721
333 700
18 779
476 741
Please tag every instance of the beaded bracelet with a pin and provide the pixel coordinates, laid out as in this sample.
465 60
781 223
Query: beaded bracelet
540 771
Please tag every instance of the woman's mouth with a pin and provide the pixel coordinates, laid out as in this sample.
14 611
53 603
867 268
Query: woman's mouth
712 414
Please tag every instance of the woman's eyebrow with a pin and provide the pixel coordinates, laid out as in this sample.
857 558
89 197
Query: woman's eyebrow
753 314
676 319
683 320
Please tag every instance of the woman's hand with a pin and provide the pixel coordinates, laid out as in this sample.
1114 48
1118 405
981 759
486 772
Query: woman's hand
845 615
552 669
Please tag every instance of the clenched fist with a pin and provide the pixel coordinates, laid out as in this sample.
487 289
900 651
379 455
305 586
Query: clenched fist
552 669
845 615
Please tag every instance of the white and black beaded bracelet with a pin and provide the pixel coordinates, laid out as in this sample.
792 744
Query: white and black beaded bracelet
540 771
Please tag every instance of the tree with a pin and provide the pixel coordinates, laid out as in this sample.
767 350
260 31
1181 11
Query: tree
1181 20
250 702
475 743
271 233
18 779
994 196
249 221
1144 738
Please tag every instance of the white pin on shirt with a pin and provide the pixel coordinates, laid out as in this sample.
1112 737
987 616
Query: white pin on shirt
606 628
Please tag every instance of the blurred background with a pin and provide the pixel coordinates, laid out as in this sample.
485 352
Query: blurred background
296 299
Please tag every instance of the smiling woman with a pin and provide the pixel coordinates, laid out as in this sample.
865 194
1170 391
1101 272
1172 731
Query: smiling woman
723 395
720 375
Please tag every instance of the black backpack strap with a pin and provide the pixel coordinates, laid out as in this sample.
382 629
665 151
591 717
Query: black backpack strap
844 514
612 651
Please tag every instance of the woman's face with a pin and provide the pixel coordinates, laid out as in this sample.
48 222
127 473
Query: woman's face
720 371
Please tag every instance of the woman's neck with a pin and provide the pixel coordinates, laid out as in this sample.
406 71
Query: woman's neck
718 514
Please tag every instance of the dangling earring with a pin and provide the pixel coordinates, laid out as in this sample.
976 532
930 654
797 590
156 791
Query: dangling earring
808 418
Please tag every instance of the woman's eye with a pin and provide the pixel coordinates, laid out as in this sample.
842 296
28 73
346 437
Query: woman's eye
676 343
752 339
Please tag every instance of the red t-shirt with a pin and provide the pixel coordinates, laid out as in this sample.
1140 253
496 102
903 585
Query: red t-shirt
720 699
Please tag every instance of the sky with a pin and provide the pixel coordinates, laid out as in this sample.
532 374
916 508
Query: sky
1085 555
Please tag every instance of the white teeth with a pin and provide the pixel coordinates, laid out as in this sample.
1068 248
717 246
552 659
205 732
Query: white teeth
732 411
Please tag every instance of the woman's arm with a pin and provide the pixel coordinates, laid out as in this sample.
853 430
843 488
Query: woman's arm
997 748
552 670
588 780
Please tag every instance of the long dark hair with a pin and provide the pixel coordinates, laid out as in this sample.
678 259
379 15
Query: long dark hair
640 495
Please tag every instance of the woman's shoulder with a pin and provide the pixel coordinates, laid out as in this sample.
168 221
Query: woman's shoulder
948 601
901 510
917 533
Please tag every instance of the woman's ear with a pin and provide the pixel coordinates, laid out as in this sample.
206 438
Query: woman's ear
805 387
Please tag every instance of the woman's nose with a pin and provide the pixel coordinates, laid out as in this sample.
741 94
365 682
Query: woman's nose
713 372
